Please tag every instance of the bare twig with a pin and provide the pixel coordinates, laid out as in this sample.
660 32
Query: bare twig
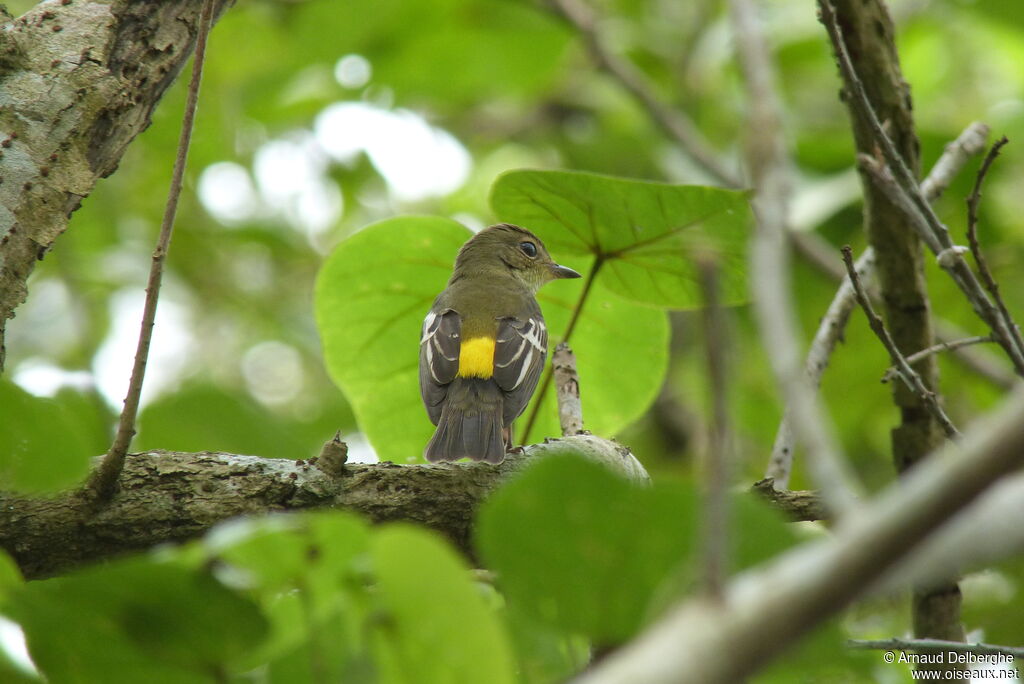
973 201
103 480
937 645
936 349
913 203
906 373
770 276
715 521
675 124
953 159
969 143
829 332
567 390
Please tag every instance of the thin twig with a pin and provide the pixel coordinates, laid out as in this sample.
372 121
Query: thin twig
830 330
913 203
717 462
907 374
937 645
567 389
103 480
954 157
973 202
936 349
675 124
770 276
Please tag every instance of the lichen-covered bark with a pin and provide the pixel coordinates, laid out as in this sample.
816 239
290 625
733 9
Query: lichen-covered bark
173 497
167 496
869 35
79 80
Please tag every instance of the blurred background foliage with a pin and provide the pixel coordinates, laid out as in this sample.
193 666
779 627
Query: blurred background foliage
318 118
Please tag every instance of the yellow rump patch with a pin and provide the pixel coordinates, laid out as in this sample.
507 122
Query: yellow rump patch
476 358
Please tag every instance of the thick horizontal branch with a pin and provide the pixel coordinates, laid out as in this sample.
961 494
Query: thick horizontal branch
169 496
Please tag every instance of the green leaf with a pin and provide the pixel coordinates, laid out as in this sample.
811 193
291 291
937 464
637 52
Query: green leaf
10 574
616 387
43 445
135 620
304 570
205 417
642 238
374 290
371 296
436 626
580 548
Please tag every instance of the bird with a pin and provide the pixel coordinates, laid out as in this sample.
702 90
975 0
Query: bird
484 343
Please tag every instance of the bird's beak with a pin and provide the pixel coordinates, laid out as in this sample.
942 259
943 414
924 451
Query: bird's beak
559 271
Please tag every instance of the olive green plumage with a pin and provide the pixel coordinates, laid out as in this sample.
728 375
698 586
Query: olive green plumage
484 343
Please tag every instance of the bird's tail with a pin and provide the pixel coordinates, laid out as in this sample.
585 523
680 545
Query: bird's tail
470 423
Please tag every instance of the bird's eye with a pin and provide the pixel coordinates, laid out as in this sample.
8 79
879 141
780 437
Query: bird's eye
529 249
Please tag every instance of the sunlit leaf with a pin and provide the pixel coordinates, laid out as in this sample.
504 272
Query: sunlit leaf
43 444
436 626
642 239
580 548
377 286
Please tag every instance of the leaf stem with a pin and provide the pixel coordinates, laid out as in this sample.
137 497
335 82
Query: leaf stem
545 382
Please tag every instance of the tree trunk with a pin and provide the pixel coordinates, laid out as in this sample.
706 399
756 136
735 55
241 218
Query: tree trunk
869 36
78 82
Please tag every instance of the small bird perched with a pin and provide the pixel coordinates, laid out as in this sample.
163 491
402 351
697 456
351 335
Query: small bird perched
484 343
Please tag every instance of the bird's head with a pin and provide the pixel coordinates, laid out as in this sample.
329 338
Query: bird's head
506 248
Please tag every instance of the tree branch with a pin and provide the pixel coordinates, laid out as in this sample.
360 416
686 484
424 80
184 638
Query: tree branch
676 125
103 479
169 496
973 202
906 373
912 202
71 100
770 277
830 330
952 345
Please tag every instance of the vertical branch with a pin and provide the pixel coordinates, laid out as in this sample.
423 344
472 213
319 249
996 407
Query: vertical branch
772 294
876 92
830 330
973 201
717 459
567 389
103 480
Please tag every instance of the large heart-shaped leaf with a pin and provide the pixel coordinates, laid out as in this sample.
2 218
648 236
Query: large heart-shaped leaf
375 289
585 551
641 239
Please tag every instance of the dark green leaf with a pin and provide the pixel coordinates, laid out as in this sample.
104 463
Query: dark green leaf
584 550
436 626
135 620
43 444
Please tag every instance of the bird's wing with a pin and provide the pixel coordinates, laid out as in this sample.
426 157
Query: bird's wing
519 353
439 358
